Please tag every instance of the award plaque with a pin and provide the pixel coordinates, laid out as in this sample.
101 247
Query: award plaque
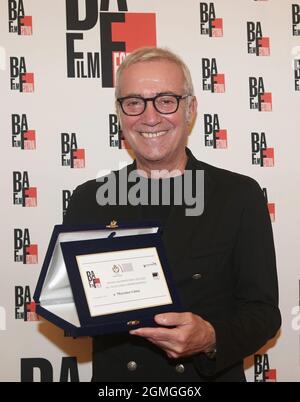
104 279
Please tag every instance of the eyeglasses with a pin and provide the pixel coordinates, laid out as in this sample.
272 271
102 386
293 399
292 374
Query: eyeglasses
163 103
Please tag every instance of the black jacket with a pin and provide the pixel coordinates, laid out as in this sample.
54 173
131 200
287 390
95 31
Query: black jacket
231 246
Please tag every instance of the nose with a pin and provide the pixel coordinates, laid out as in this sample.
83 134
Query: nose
151 117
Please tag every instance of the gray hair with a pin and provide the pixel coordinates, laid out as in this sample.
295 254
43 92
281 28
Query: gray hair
145 54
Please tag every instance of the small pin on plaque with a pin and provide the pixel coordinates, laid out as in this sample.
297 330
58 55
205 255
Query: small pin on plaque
113 224
133 322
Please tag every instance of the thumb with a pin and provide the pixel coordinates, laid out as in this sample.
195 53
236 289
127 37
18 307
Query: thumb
170 319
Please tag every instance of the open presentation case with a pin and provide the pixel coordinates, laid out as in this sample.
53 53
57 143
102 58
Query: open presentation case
103 279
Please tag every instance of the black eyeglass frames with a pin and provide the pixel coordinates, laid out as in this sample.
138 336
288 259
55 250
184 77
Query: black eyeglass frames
163 103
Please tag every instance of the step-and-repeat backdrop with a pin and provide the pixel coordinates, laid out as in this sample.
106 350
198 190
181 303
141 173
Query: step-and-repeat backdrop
59 128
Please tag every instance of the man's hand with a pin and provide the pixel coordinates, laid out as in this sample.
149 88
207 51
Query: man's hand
189 335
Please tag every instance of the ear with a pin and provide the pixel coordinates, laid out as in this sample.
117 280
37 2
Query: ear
192 110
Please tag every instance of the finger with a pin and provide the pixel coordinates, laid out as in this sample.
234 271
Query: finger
159 334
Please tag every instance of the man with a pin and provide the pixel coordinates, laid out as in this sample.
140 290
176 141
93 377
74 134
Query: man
222 261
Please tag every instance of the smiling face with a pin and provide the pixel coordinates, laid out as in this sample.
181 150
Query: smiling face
158 140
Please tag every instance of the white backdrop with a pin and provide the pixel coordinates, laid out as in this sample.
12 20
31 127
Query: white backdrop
61 104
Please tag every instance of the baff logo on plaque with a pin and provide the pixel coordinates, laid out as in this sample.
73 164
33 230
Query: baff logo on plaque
20 79
24 251
22 136
23 194
257 43
212 80
214 136
210 25
121 33
93 280
71 155
259 99
261 154
18 22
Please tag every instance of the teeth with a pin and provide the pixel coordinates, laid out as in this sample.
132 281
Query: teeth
152 135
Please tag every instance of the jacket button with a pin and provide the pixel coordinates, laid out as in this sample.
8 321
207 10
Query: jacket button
180 368
197 276
132 365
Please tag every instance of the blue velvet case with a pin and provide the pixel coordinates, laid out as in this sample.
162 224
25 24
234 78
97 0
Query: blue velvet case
60 294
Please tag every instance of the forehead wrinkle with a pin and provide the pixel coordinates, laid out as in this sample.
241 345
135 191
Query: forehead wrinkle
139 95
